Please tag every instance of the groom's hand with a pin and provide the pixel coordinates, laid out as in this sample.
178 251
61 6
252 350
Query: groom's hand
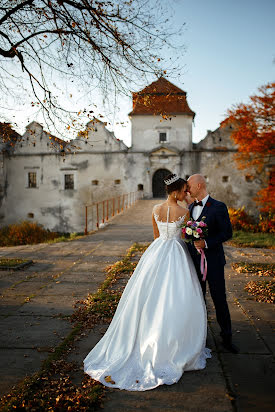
199 244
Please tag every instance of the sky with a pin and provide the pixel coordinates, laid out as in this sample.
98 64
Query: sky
229 53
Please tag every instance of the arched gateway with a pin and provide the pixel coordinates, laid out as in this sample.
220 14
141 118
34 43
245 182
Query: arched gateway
158 185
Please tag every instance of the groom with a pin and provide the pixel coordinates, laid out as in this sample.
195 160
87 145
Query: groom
219 230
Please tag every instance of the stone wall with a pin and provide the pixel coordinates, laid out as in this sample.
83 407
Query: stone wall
216 160
102 167
146 129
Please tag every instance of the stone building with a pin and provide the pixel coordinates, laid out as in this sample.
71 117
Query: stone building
49 180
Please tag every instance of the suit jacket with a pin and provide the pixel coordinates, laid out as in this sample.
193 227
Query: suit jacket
219 231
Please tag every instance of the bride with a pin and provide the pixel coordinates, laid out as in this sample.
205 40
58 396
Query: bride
159 328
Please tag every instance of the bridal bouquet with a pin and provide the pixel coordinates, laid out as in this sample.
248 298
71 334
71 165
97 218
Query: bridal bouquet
192 231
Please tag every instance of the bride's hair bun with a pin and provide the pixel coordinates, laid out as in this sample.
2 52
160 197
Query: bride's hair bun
173 182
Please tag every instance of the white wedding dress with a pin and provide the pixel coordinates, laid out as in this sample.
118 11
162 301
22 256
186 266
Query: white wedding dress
160 325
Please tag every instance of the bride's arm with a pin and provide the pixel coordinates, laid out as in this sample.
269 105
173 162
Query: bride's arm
155 227
187 217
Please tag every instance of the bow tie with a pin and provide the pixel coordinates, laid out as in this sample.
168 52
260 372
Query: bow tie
198 203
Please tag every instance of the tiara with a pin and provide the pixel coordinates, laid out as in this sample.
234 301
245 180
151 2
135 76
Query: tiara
172 180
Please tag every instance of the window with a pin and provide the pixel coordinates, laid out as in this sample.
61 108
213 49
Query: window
140 186
31 215
249 178
225 178
162 137
117 182
32 179
95 182
69 182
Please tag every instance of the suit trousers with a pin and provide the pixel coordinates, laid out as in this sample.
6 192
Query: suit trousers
216 283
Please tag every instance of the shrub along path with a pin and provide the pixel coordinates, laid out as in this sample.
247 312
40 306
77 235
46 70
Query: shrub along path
37 301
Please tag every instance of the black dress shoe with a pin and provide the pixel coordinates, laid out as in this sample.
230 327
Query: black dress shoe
227 344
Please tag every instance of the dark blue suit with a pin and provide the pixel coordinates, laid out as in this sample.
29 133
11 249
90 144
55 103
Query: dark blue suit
219 230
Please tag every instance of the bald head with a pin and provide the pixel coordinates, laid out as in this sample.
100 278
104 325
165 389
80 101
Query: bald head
198 179
197 186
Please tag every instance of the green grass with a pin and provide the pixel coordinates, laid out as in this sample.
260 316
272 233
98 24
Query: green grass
66 237
250 239
10 262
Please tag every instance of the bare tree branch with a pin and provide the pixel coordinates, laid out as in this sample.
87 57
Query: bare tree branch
108 43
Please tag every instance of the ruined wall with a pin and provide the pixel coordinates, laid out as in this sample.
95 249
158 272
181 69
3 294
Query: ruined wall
215 160
95 178
102 167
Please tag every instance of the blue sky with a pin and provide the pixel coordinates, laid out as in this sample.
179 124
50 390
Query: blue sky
230 52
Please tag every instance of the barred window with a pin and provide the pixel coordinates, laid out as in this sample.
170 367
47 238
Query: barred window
162 137
69 182
32 179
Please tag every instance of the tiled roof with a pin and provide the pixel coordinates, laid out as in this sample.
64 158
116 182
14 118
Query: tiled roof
160 98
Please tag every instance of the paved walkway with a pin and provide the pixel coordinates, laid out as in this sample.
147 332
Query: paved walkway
35 304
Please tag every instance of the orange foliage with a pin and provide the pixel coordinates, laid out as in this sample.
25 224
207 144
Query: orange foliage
266 196
25 233
254 134
241 220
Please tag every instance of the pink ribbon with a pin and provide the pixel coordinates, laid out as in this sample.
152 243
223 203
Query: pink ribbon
203 264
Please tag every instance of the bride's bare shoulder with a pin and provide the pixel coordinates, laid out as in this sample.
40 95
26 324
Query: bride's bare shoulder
183 210
157 207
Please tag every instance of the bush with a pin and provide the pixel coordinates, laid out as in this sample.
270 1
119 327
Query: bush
25 233
241 220
267 223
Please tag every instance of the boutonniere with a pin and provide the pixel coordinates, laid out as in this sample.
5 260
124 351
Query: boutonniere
208 204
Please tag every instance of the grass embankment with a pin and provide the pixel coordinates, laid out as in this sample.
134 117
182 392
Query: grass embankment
262 290
11 262
52 388
30 233
251 239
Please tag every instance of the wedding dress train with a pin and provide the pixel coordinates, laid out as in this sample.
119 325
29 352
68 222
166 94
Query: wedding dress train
160 325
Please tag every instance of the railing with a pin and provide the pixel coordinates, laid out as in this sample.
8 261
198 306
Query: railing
101 212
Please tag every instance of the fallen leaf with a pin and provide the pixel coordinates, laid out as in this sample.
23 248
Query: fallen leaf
108 379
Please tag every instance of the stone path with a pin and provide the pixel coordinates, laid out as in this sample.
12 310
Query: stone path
36 302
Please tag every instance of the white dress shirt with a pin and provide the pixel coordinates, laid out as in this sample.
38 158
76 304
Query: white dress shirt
196 212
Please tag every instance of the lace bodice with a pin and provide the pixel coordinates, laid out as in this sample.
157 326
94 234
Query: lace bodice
169 230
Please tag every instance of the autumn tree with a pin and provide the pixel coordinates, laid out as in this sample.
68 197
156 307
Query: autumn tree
102 44
254 134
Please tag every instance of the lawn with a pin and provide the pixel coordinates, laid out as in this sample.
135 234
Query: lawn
11 262
251 239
